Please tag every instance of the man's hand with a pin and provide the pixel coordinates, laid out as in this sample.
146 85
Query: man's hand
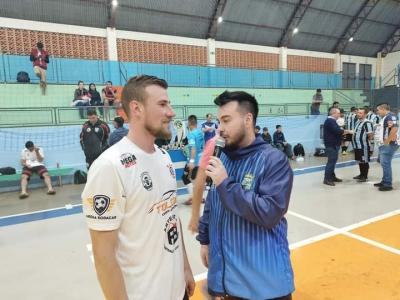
189 279
191 166
216 170
204 255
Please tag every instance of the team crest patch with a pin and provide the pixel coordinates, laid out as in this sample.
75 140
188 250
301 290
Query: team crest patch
128 160
171 170
88 129
247 181
101 204
146 181
172 234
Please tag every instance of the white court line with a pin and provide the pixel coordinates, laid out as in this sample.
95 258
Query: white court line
345 230
40 211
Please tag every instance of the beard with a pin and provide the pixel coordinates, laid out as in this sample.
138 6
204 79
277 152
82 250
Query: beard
158 132
233 142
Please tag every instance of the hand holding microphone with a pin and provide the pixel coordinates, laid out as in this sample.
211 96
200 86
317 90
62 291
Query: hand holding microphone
215 170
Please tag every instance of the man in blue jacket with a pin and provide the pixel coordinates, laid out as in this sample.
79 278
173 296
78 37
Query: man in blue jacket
333 136
243 231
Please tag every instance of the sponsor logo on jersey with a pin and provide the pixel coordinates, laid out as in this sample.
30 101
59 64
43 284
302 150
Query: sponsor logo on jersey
166 204
100 204
146 181
171 170
128 160
88 129
172 232
247 181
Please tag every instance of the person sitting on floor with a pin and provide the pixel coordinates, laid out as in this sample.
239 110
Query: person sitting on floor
281 143
266 136
32 161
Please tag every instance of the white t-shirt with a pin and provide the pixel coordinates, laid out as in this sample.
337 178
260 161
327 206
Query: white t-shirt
31 157
134 192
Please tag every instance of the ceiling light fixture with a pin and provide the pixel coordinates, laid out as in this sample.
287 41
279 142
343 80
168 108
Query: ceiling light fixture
351 39
220 19
114 3
296 30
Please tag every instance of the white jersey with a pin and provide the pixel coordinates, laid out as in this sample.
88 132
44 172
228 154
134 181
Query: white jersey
31 158
134 192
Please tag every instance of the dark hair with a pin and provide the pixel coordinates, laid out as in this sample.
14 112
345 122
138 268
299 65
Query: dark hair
91 85
341 111
278 126
336 102
91 112
109 82
258 127
80 81
192 120
134 89
319 90
246 102
353 108
119 121
39 45
265 128
29 144
208 114
365 109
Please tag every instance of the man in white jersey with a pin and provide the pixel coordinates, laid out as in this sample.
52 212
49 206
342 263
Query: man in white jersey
130 205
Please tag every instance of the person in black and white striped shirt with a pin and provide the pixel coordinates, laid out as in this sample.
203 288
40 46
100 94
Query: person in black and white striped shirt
350 124
362 138
374 118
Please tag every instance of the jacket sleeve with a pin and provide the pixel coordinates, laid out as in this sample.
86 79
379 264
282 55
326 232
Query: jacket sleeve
275 138
335 128
269 201
203 236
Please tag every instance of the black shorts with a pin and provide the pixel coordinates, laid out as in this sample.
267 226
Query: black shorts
348 137
362 156
187 176
40 170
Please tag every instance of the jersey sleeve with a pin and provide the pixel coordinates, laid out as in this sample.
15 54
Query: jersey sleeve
41 152
103 198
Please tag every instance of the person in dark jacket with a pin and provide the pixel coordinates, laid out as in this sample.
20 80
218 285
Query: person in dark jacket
95 98
246 207
266 136
119 132
94 137
40 58
81 98
281 143
333 135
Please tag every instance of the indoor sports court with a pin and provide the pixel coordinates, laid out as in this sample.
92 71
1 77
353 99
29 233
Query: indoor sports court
65 62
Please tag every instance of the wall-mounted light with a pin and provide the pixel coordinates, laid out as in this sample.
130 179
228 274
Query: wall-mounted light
114 3
220 19
351 39
296 30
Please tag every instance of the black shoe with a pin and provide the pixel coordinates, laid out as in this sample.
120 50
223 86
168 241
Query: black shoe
362 179
337 180
385 188
328 182
379 184
357 177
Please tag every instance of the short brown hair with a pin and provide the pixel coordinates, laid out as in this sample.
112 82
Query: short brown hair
384 106
134 89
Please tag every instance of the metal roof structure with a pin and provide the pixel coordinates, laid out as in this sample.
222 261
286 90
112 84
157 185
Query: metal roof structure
357 27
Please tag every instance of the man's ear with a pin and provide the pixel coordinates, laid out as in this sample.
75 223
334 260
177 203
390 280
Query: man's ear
136 108
249 120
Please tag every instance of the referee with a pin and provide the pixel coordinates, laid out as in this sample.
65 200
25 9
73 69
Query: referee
350 124
362 138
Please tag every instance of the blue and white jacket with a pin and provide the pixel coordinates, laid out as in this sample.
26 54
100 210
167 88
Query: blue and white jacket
244 225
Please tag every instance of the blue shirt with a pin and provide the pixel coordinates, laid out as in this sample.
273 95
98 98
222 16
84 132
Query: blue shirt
209 134
117 135
195 139
244 225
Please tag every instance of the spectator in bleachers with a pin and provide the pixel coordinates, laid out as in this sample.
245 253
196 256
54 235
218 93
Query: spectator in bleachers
281 143
81 98
95 98
334 105
94 137
119 132
209 128
257 130
316 102
109 96
32 161
40 59
266 136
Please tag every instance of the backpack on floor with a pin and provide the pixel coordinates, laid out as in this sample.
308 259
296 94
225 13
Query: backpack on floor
23 77
80 177
298 150
7 171
320 152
